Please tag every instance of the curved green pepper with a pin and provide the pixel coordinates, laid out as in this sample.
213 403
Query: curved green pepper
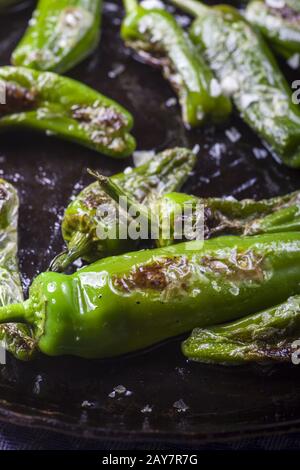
279 24
60 35
165 172
157 38
126 303
229 216
218 216
246 68
17 338
64 107
267 336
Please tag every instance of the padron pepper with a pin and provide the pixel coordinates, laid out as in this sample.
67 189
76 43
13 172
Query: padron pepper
60 35
279 22
60 106
272 335
157 38
217 216
16 337
129 302
247 72
165 172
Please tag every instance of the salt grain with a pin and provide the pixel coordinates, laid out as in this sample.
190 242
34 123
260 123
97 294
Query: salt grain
180 406
146 409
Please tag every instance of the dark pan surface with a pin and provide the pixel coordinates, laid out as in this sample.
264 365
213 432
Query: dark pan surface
73 395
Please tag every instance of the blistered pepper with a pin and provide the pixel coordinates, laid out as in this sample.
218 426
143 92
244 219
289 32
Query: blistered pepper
166 171
129 302
217 216
60 35
271 335
16 337
60 106
247 71
157 38
279 22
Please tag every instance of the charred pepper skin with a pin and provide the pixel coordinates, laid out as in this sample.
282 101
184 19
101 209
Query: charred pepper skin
230 216
6 4
159 40
47 102
267 336
166 172
17 337
280 26
127 303
60 35
246 68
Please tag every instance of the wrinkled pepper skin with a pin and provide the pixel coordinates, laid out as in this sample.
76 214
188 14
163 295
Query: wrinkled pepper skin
17 337
280 26
246 68
217 216
60 35
267 336
60 106
127 303
159 40
167 171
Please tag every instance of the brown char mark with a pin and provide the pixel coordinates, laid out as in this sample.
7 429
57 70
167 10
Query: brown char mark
18 99
154 276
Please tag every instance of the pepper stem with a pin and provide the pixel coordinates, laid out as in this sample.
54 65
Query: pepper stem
14 313
113 190
130 5
77 247
191 6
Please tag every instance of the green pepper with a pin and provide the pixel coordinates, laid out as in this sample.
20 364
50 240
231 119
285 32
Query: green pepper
247 71
280 24
158 39
218 216
64 107
4 4
165 172
60 35
17 338
129 302
229 216
271 335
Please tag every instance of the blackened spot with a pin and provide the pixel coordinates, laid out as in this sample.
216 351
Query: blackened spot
287 13
99 117
18 99
3 194
154 276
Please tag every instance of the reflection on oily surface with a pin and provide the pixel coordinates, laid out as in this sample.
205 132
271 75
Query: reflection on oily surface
157 390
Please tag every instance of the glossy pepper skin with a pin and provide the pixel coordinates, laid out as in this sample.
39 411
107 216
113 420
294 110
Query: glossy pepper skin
5 4
159 40
60 35
217 216
60 106
167 171
17 337
129 302
246 68
267 336
280 26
